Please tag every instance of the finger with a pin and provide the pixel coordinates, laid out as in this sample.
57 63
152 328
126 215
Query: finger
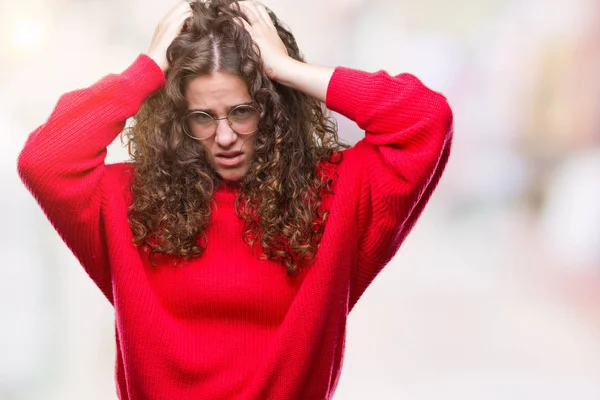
180 9
249 8
184 19
183 9
179 21
242 22
265 16
185 4
256 10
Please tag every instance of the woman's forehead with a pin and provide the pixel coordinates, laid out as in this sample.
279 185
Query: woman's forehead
217 91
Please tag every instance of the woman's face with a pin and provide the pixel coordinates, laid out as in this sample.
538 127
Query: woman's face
218 94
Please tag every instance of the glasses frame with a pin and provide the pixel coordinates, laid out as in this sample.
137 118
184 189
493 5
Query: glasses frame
217 120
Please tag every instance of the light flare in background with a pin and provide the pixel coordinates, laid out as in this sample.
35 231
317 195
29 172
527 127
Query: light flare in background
27 34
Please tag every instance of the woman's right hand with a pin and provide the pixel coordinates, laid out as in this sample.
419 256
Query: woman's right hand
166 31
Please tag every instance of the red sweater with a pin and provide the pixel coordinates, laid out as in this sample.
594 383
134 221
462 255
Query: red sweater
227 325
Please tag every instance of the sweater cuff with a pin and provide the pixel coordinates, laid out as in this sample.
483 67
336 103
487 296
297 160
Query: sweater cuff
144 77
344 91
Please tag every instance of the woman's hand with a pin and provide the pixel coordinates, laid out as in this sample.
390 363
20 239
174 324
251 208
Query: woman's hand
272 50
310 79
166 31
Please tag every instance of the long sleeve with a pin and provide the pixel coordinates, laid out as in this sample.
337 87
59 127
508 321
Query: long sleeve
62 163
397 165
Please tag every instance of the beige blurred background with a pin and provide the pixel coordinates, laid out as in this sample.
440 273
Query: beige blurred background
495 294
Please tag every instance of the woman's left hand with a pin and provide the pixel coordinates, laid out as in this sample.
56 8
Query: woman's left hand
310 79
260 26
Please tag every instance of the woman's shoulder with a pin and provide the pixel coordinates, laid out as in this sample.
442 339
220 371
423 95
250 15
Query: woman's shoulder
329 165
121 171
118 178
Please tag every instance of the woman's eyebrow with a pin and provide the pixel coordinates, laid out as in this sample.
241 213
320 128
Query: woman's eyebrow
229 108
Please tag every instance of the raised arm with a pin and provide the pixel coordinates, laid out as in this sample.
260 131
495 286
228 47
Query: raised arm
398 164
62 163
310 79
395 168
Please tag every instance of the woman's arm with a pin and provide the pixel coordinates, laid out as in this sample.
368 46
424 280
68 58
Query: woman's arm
310 79
395 168
62 163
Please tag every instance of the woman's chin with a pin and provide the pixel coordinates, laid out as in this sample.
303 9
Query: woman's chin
233 175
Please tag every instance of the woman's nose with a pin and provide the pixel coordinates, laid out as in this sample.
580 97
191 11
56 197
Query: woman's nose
225 136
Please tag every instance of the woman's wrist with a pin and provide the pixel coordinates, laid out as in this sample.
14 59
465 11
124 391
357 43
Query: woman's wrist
312 80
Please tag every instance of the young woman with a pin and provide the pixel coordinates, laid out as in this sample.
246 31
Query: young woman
235 244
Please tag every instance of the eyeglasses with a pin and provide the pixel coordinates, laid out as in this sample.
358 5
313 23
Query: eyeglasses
242 119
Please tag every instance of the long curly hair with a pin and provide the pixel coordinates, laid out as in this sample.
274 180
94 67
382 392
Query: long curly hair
281 194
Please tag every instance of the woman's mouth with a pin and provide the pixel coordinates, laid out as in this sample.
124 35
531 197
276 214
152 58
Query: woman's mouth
229 159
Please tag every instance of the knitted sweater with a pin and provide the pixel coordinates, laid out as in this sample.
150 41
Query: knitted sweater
227 325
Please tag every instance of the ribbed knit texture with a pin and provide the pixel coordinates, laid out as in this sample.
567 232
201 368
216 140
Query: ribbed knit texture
227 325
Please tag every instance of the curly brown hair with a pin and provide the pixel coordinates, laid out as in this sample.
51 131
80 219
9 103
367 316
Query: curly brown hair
280 195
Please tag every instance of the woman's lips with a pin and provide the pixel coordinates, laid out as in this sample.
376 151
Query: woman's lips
229 159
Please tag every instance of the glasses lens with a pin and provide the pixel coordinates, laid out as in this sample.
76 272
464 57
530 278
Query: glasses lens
244 119
200 125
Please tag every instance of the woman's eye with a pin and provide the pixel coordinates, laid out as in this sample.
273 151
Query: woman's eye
202 118
241 111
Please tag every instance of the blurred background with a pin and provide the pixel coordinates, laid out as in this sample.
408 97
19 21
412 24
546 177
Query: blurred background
495 294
